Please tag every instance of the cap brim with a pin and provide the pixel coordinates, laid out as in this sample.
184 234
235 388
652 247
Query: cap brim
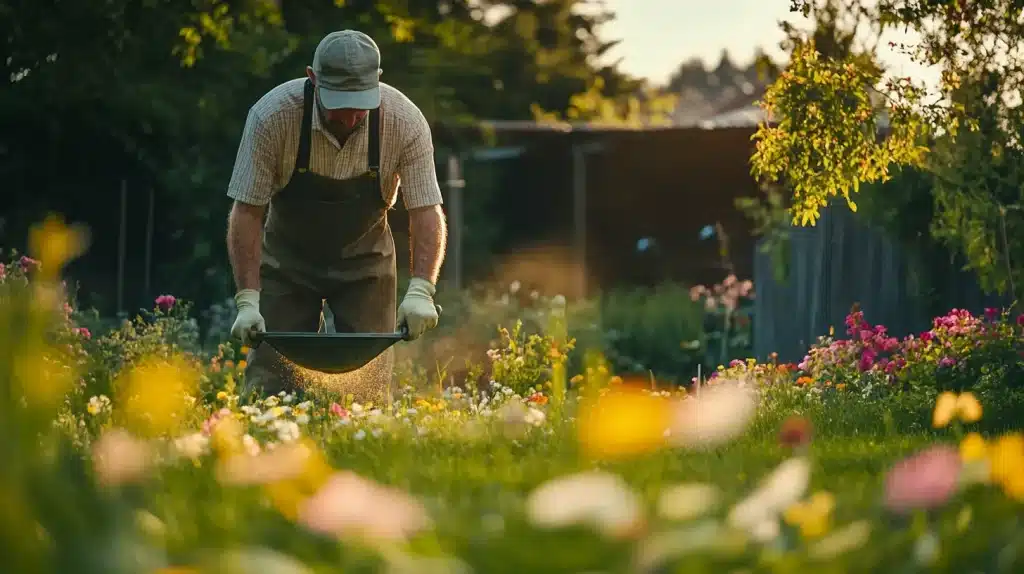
364 100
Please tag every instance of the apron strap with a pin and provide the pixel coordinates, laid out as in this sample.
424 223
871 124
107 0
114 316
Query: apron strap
373 146
305 133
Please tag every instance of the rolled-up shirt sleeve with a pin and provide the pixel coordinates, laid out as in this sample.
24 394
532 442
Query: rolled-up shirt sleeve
416 171
254 174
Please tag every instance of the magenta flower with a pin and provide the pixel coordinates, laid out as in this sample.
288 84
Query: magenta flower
3 273
947 362
1020 320
82 332
28 264
165 302
925 480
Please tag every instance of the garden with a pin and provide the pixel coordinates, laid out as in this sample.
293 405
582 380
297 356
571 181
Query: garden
546 447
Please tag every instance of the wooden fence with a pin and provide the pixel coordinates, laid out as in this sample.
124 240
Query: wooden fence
835 264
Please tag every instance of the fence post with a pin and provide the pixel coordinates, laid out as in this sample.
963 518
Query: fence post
455 197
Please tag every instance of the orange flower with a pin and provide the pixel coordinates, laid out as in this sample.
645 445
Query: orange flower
804 381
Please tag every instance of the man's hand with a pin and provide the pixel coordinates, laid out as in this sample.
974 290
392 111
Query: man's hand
417 309
247 301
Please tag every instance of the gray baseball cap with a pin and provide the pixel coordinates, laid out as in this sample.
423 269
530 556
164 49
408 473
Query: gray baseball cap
347 68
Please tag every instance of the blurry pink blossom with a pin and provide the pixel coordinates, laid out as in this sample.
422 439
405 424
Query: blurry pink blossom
925 480
165 302
82 332
350 505
338 411
119 457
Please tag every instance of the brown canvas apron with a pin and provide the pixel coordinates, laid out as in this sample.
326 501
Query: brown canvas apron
326 239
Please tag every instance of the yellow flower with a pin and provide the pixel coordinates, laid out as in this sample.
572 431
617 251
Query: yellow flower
623 422
244 350
155 393
812 517
1006 457
222 396
968 407
241 365
973 447
950 406
54 244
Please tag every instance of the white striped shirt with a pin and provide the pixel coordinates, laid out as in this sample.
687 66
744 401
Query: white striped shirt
270 144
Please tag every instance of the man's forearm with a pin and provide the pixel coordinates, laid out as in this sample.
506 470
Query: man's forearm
245 234
427 239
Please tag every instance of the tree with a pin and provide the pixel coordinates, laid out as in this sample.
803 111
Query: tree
825 140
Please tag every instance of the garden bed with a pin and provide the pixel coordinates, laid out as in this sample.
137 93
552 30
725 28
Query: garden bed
131 451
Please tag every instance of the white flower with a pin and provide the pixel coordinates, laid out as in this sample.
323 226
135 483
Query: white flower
287 431
602 500
720 414
302 419
786 485
534 417
514 287
360 434
251 445
688 501
193 445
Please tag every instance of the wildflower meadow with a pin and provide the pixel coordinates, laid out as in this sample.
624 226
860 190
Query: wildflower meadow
127 448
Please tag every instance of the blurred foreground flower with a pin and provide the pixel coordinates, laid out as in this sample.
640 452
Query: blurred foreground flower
925 480
813 517
351 506
598 499
289 474
54 243
758 514
623 422
155 393
688 501
720 414
120 458
950 406
845 539
1006 459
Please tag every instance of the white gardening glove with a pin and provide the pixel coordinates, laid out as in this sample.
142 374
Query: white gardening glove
247 301
417 309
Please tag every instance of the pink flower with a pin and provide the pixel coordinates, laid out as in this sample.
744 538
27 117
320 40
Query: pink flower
867 360
1020 320
3 271
82 332
947 362
211 423
925 480
338 411
165 302
28 264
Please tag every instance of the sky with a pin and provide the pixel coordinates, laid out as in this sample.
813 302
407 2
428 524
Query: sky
658 35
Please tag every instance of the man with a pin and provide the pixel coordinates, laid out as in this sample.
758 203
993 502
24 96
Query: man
327 154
